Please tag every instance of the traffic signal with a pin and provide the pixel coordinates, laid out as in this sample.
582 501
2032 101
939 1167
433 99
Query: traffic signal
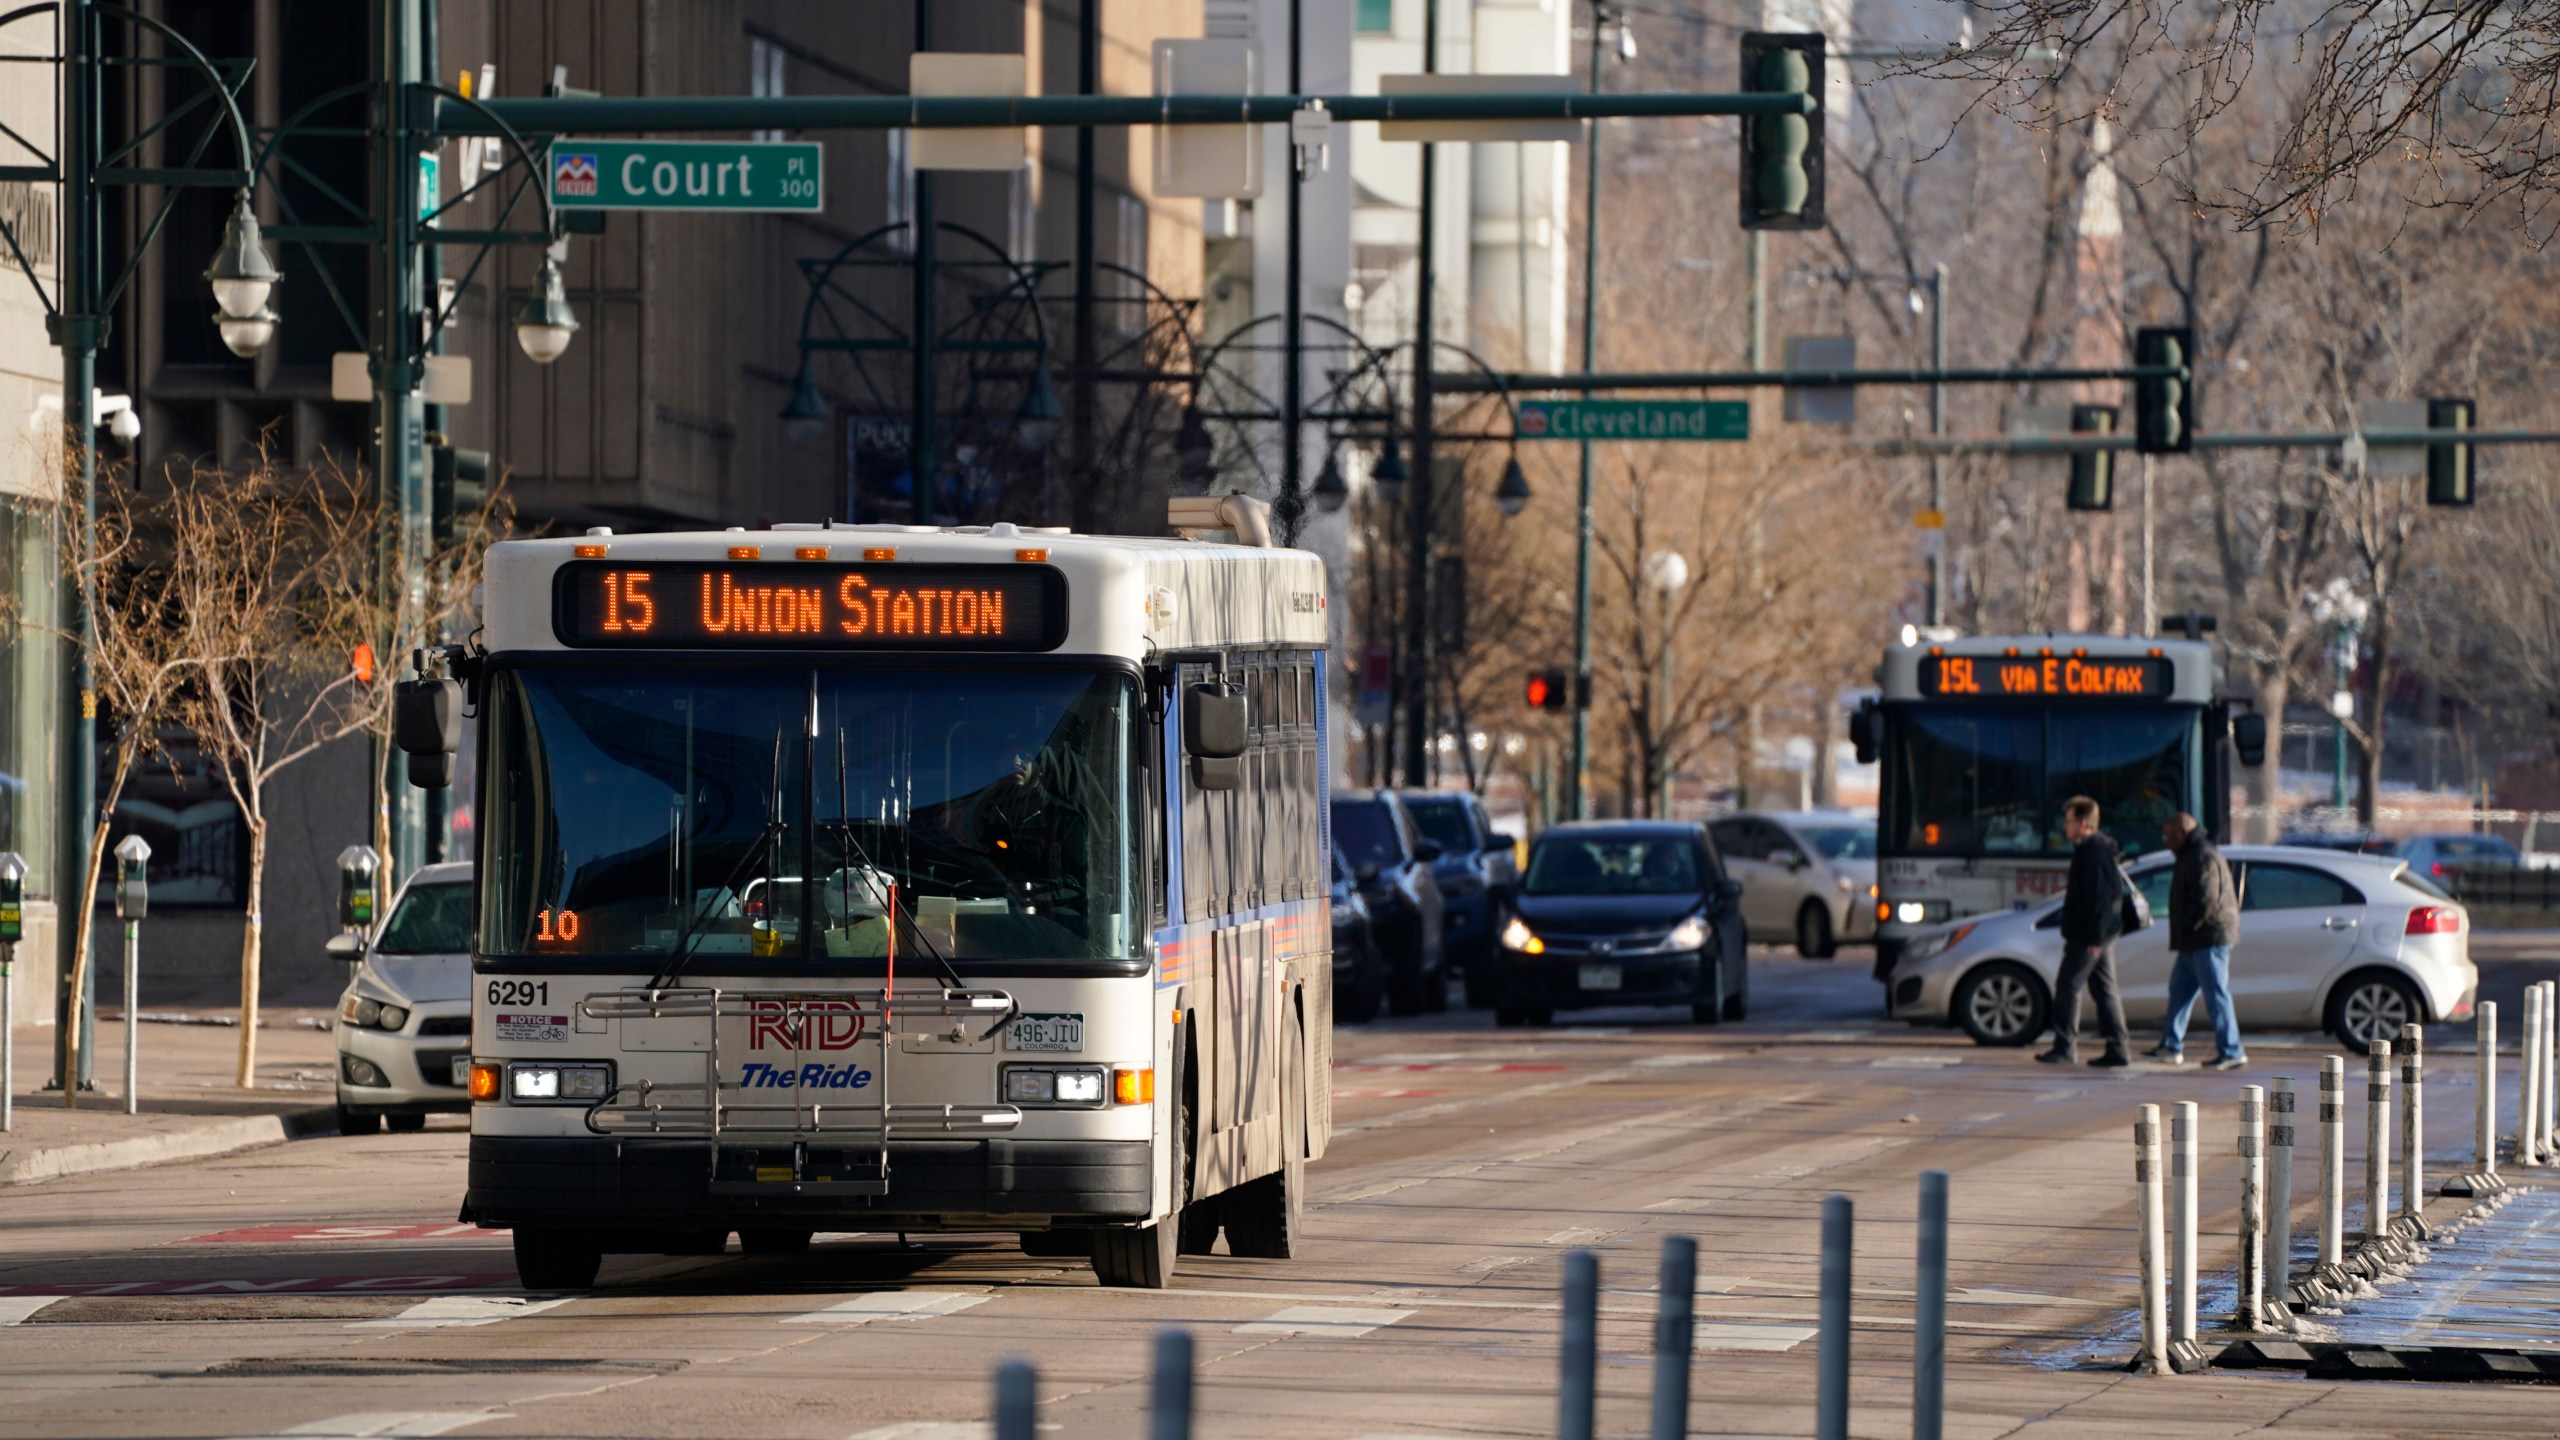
2164 407
2449 462
1782 154
2093 472
1549 690
458 484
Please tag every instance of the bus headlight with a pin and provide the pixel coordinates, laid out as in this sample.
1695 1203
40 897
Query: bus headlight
1910 912
558 1084
1056 1087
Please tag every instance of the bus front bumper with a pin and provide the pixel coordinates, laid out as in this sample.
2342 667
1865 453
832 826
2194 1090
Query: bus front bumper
653 1183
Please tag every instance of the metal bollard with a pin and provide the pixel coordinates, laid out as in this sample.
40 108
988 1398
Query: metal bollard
2377 1142
2279 1256
2333 1160
2182 1222
132 1017
2528 1085
1169 1403
2484 1137
2146 1183
1017 1387
1580 1354
1831 1393
2253 1207
2413 1121
2550 1068
1675 1337
1929 1313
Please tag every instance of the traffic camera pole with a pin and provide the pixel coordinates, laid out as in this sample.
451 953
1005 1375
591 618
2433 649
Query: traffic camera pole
1576 791
80 330
1418 638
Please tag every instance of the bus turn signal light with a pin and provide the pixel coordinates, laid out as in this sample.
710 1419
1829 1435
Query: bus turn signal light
1133 1087
484 1081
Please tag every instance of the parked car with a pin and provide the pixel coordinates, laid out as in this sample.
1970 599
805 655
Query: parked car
2440 857
2357 945
404 1022
1476 873
1623 913
1359 974
1808 876
2354 842
1390 861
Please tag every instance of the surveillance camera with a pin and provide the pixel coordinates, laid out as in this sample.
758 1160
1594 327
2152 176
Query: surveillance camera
127 426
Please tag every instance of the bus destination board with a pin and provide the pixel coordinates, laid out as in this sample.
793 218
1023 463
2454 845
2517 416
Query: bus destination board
2046 677
679 604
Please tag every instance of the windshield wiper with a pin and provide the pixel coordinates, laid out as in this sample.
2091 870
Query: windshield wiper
766 838
854 848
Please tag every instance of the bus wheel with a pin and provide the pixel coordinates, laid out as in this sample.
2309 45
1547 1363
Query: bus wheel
1058 1244
556 1260
1141 1258
1264 1215
789 1240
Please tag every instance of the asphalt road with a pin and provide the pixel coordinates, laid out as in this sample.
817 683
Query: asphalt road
322 1289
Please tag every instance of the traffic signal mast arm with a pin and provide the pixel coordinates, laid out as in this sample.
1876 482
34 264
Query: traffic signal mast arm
1490 382
2307 439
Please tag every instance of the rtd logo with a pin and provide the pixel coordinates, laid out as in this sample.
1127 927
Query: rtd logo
818 1025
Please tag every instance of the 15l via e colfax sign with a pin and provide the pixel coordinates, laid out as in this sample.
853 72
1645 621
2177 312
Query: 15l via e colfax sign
739 175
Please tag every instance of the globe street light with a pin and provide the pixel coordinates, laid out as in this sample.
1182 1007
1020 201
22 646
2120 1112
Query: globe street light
1038 420
1666 571
1331 492
544 325
804 415
1387 476
1512 495
1193 450
242 274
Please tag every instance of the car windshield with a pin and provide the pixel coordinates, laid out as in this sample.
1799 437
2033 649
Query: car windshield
1840 842
657 811
1992 779
429 920
1364 834
1613 865
1444 821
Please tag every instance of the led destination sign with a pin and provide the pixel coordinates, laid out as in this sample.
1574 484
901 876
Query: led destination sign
809 605
2042 677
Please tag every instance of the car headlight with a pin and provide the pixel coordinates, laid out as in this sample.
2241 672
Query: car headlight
1939 944
1689 934
1517 936
558 1084
363 1010
393 1017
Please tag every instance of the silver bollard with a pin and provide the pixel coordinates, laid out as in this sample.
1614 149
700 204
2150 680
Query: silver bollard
2333 1160
2153 1275
2550 1069
2253 1207
2182 1222
2413 1121
1578 1357
1831 1390
1017 1387
1169 1401
132 1017
2279 1257
2528 1070
2484 1137
1929 1313
1675 1337
2377 1142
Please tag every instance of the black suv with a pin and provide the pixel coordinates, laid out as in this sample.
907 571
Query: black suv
1476 875
1391 863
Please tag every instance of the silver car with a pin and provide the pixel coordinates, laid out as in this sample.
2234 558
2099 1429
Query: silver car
404 1023
2356 945
1808 876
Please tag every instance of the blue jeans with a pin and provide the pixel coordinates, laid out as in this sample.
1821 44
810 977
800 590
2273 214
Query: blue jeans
2205 972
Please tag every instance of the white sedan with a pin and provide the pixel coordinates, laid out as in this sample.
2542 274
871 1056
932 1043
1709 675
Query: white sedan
2356 945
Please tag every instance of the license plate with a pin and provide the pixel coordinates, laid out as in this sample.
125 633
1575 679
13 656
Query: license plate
1602 977
461 1069
1061 1033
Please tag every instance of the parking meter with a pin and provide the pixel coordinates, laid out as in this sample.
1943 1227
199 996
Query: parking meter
133 902
133 878
358 865
13 899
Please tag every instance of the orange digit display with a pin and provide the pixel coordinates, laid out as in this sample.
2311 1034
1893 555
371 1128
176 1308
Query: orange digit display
860 607
2047 676
555 927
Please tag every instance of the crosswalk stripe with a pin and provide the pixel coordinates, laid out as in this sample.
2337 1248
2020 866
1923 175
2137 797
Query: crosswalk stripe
892 1305
15 1309
1725 1335
385 1425
1332 1322
446 1311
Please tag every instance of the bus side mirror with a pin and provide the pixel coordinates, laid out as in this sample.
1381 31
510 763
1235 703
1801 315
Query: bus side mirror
1866 731
426 723
2249 738
1213 734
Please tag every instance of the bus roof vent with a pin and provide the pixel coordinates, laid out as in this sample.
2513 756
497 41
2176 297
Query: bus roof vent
1229 519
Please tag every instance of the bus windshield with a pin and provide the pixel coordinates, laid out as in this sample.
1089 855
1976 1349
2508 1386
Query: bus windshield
800 814
1992 779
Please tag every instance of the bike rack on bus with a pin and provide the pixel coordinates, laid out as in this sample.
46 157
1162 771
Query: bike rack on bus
795 1117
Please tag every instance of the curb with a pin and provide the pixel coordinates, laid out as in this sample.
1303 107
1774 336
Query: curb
196 1142
2326 1360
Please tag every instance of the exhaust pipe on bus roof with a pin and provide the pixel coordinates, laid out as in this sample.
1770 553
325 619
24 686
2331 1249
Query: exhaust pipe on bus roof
1236 519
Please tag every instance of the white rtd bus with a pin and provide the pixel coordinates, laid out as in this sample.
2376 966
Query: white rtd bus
880 878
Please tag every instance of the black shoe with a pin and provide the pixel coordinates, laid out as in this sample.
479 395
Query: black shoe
2227 1062
2165 1055
2112 1060
2056 1057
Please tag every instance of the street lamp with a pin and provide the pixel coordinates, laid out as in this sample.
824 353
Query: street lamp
1038 420
242 275
544 325
1387 476
804 415
1193 451
1331 492
1512 495
1666 571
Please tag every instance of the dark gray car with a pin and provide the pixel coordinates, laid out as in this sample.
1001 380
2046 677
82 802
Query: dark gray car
1391 863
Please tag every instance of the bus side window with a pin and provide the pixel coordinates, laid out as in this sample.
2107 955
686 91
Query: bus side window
1199 863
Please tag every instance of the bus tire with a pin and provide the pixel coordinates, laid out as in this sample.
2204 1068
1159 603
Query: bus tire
1058 1244
1265 1215
775 1240
1141 1257
556 1260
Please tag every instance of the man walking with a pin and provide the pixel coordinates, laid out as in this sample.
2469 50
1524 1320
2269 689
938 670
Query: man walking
2092 917
2204 918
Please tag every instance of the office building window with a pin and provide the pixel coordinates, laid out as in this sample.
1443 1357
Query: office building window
1376 17
26 690
764 75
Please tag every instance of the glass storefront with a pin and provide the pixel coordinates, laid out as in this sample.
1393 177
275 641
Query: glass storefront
28 660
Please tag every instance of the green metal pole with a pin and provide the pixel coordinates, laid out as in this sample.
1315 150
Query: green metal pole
1576 787
924 456
80 330
1420 722
399 413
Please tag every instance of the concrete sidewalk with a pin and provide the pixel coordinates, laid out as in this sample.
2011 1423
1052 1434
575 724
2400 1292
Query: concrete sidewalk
190 1107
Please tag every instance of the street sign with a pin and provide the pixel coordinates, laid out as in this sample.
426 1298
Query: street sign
1634 419
737 175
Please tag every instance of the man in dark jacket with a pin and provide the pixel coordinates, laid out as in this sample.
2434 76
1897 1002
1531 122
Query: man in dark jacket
2204 918
2092 917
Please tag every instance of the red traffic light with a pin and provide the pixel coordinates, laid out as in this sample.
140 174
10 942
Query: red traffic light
1547 690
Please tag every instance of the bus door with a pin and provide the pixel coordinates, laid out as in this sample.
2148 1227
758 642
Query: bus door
1245 1068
